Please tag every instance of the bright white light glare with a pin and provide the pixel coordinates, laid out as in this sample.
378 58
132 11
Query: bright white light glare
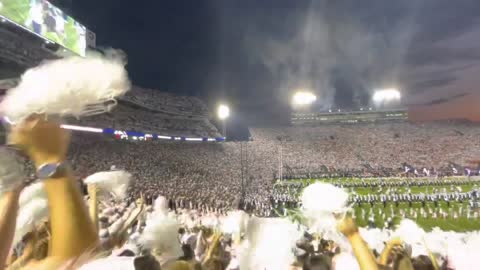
223 112
99 130
69 127
304 98
8 120
87 129
386 95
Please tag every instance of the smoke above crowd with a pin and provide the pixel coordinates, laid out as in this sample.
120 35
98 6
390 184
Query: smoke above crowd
341 50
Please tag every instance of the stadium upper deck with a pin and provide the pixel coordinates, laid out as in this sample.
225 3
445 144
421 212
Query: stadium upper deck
361 116
157 112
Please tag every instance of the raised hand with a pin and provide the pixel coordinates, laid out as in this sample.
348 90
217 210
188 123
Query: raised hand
43 141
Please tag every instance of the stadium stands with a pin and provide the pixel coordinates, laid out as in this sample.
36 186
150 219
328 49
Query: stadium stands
377 146
152 111
164 102
20 51
208 170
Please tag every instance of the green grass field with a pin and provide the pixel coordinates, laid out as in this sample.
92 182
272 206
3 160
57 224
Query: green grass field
449 223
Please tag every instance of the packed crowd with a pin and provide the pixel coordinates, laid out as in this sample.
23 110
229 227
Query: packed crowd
125 117
167 103
155 112
205 171
131 233
191 190
367 149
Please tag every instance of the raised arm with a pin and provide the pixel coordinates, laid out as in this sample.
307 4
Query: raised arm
93 204
362 252
387 251
8 218
73 232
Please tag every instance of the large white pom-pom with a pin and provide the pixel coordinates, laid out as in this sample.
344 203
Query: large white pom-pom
319 202
463 250
409 232
269 244
235 222
30 216
72 86
161 235
323 197
413 235
11 174
375 238
113 182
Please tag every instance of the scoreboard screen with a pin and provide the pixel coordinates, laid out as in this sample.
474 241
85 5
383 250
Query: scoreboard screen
46 20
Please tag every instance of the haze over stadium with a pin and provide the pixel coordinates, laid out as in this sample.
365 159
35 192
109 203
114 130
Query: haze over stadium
241 135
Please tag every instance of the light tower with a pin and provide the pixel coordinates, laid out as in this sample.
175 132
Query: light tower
223 112
386 96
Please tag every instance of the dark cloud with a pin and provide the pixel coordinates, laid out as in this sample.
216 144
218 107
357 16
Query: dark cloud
442 56
438 101
431 83
441 20
445 100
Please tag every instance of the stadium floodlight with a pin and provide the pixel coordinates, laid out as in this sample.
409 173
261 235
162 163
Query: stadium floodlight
304 98
386 95
223 112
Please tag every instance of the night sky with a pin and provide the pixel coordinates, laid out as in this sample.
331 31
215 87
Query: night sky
253 54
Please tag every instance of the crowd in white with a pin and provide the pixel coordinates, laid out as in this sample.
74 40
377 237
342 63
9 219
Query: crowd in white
127 118
201 182
222 175
380 147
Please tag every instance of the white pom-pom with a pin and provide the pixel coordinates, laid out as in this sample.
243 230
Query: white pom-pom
30 216
32 192
323 197
375 238
235 222
113 182
413 235
319 202
72 86
11 175
117 263
210 221
161 205
345 261
409 232
269 244
161 235
437 241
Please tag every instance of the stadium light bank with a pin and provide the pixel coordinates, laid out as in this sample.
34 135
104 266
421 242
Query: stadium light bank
223 112
386 95
302 98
